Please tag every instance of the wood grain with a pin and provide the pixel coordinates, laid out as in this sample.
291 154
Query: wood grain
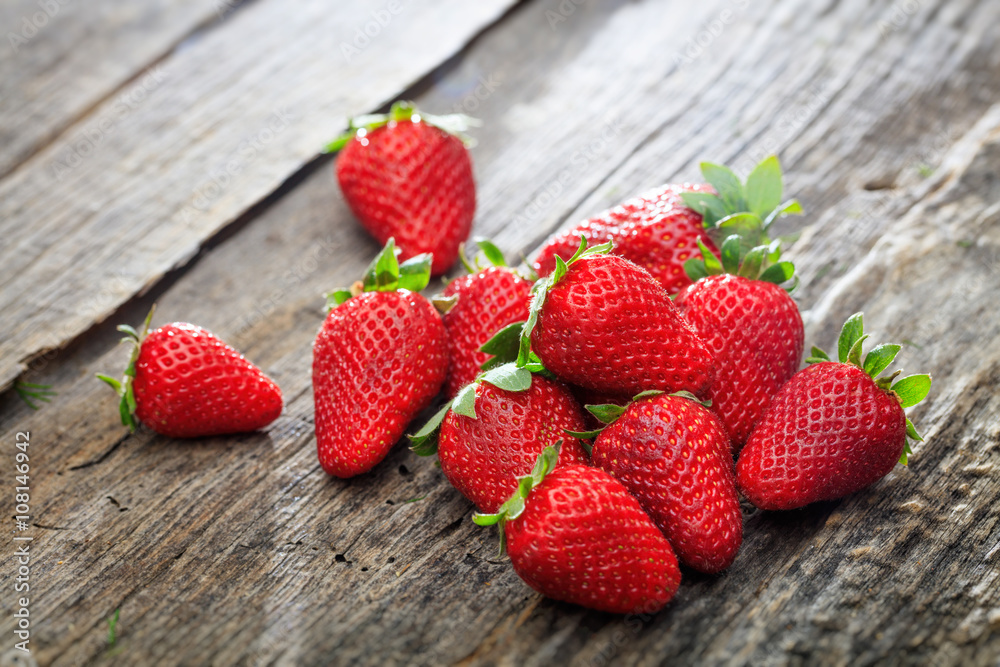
62 58
241 551
222 124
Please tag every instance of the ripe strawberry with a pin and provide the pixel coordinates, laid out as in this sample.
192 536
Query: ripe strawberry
604 323
379 359
834 429
493 432
656 231
750 323
575 534
484 302
407 175
183 382
673 455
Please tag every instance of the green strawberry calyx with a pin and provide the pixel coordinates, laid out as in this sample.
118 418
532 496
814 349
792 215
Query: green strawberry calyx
488 256
608 413
515 505
508 377
123 387
761 262
540 291
386 274
746 208
909 390
402 111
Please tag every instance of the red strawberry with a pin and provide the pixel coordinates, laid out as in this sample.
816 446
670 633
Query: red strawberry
485 302
379 359
751 325
755 331
603 323
656 231
405 176
673 455
495 429
834 429
183 382
575 534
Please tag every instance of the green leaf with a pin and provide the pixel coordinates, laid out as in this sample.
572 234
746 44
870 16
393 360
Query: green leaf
912 389
503 346
778 273
712 263
424 441
911 431
879 358
508 377
695 269
415 273
126 329
747 225
750 266
113 629
763 189
465 402
710 206
727 184
606 412
817 353
584 435
904 458
336 297
849 335
338 143
115 384
790 207
854 354
491 252
683 393
649 393
382 274
539 292
731 254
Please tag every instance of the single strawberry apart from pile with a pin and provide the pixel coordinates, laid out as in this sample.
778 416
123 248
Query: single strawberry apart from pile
835 428
184 382
575 534
407 175
379 358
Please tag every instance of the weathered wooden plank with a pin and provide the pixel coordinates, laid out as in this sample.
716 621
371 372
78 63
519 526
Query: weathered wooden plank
234 115
228 550
61 58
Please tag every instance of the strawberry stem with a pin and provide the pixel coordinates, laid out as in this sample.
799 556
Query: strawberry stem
123 387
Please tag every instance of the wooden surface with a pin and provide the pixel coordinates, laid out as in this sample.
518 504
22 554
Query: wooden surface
241 551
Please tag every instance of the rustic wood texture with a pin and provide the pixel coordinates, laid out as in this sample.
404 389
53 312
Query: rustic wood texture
241 551
222 123
61 58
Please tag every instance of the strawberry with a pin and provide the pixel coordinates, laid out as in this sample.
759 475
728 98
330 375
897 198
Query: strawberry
407 175
379 359
673 455
183 382
655 230
601 322
494 430
575 534
482 303
833 429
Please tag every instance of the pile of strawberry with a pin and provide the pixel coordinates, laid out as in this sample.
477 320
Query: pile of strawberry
607 415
